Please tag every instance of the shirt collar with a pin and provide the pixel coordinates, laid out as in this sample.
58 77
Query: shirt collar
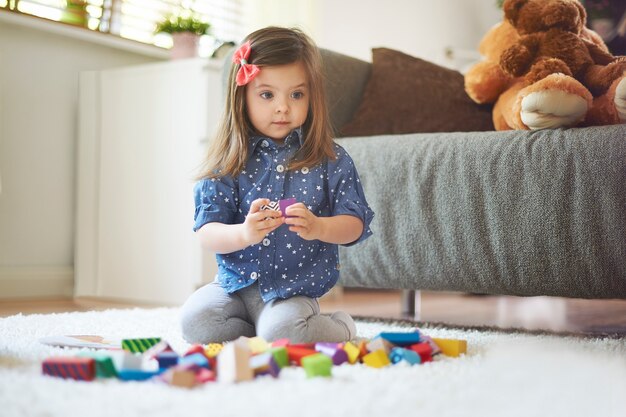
255 140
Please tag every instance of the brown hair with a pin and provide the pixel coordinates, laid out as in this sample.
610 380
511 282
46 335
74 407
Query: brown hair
228 151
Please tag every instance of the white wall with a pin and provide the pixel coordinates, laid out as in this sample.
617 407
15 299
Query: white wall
422 28
38 118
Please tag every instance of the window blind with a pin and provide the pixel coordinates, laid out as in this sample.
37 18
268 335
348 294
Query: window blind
137 19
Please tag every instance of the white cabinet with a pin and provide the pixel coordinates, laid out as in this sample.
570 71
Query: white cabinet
142 135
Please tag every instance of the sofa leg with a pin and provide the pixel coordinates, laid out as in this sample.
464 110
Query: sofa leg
411 304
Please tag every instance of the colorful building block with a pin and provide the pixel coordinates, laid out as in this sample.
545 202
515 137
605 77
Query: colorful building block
451 347
317 365
104 364
376 359
296 354
280 343
258 345
213 349
80 369
139 345
401 338
399 354
424 349
433 345
280 356
352 351
167 359
205 375
183 378
264 364
334 351
197 359
283 204
135 374
194 349
160 347
378 343
233 363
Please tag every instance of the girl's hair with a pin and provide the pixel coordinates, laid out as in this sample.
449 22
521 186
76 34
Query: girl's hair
228 151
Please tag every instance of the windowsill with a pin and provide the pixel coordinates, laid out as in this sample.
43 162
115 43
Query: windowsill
82 34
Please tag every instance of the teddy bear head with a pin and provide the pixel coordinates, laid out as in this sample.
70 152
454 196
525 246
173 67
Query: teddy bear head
532 16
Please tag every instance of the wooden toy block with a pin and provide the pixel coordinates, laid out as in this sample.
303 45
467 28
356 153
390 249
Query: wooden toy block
135 374
399 354
258 345
233 364
104 364
451 347
334 351
378 343
376 359
317 365
401 338
283 204
264 364
212 350
304 345
280 356
197 359
296 354
273 205
352 351
130 361
167 359
363 348
280 343
139 345
183 378
424 349
80 369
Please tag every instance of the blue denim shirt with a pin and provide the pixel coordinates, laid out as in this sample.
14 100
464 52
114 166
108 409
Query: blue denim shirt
283 263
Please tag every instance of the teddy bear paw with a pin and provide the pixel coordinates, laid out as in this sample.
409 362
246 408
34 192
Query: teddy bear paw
548 109
620 100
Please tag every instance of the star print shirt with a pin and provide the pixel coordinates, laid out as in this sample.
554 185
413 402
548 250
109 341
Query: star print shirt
284 264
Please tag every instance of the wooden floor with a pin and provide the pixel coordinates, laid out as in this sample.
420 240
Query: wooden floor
534 313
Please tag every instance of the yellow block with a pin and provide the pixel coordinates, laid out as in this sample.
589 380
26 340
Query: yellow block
451 347
212 349
258 345
377 359
352 351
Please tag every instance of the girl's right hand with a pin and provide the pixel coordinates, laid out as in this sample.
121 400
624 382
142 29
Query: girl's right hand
259 222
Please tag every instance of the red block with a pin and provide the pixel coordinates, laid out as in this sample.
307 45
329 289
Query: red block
81 369
195 349
424 350
296 354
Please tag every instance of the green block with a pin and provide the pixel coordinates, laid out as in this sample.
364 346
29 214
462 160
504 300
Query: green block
280 356
317 365
104 364
139 345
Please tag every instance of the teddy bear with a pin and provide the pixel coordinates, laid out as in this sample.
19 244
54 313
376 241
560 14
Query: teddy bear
544 69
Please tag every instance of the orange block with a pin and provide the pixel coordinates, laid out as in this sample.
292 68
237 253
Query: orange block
296 354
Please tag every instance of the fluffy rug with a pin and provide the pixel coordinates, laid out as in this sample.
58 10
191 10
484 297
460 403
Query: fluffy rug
502 374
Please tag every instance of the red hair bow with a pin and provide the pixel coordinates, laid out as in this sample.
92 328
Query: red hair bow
246 72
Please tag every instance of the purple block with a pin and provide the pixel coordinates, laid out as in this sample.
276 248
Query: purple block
336 353
283 204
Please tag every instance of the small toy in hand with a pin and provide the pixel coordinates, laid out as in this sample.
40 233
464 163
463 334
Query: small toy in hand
279 205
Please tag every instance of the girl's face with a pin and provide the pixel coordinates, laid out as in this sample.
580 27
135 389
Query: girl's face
278 100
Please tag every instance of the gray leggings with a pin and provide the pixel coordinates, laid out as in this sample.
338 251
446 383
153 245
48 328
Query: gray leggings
211 315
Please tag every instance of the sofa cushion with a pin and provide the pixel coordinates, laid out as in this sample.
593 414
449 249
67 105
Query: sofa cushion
409 95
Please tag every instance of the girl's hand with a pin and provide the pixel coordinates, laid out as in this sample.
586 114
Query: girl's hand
303 222
259 222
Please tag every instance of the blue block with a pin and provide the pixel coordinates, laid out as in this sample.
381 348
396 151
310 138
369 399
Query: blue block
197 359
167 359
401 339
135 374
399 354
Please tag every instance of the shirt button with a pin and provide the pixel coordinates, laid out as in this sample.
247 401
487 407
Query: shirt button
305 170
265 144
266 242
253 275
280 168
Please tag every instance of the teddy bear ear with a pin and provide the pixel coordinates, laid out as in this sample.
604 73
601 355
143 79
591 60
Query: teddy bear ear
512 8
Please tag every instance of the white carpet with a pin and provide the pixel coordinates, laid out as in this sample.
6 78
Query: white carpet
502 375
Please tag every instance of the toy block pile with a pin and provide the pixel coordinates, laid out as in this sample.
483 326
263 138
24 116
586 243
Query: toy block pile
246 358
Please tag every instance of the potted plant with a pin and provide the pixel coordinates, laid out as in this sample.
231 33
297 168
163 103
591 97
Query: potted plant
185 30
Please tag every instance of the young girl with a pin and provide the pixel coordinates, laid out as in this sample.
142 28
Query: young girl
275 143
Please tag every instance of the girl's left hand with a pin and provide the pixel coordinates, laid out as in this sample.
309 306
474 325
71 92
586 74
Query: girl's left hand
303 222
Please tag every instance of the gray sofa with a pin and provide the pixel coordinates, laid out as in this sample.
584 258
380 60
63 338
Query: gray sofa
519 212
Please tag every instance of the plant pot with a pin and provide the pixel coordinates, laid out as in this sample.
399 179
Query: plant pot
185 45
